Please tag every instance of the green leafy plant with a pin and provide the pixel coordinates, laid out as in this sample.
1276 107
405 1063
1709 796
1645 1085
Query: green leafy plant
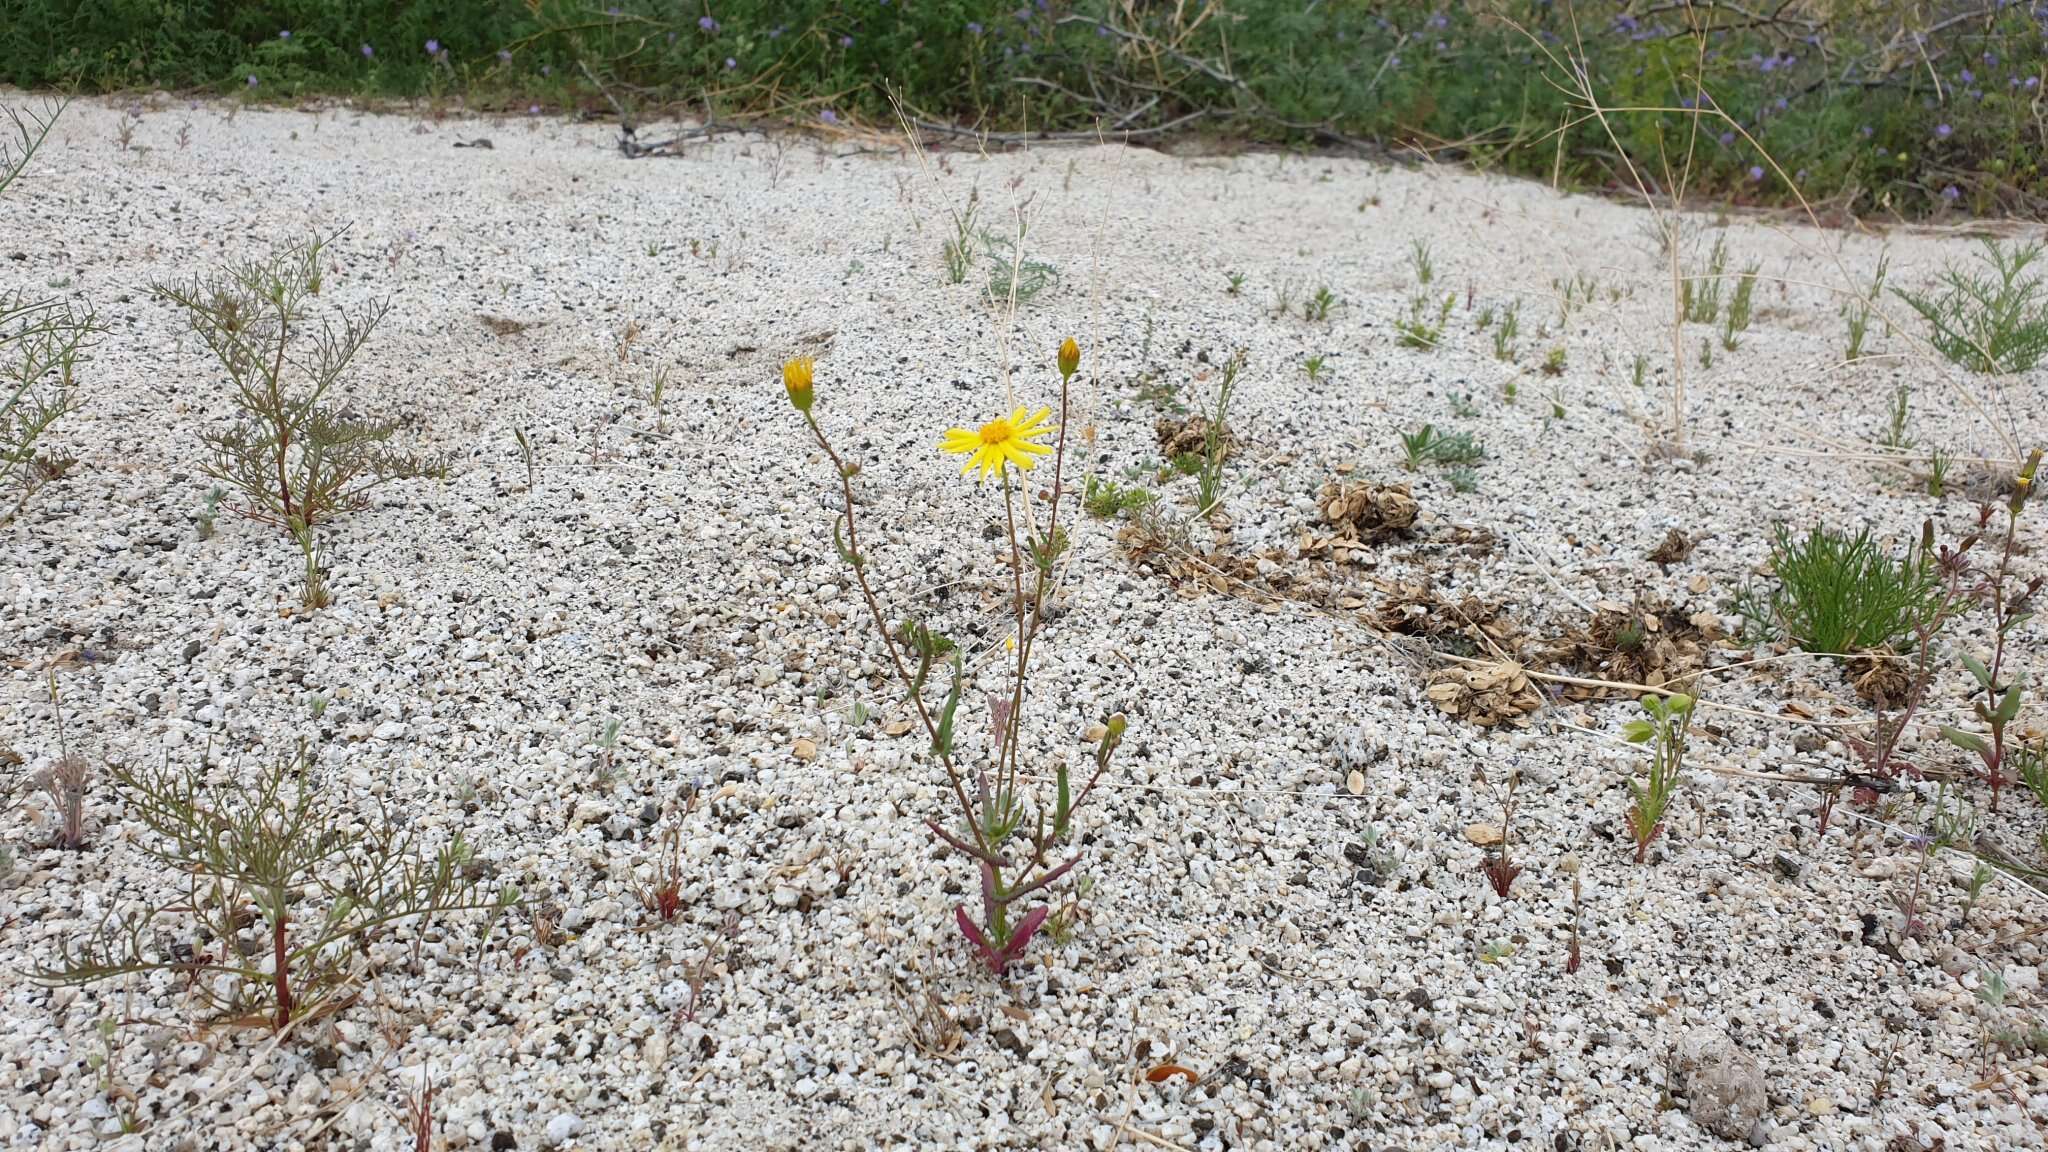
1318 305
1106 498
1236 284
1639 370
1462 480
661 377
1215 443
1428 445
1666 722
1938 465
1314 367
2009 602
1553 361
1740 306
957 251
1858 311
1419 258
40 339
1504 335
1699 297
294 459
1011 275
1995 320
1839 594
282 893
1895 436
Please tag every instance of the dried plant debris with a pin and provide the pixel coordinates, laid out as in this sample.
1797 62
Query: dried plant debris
1365 513
1179 435
1675 548
1646 643
1467 626
501 326
1486 695
1881 676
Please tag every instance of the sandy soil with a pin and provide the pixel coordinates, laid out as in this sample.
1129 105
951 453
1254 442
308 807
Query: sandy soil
1285 895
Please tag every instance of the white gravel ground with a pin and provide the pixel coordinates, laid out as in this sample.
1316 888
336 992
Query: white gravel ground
1285 892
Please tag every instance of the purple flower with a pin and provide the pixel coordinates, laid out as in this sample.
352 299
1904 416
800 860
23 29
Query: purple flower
533 109
1951 193
1727 138
1866 131
1968 77
285 35
707 23
433 47
1756 172
504 55
846 41
252 81
973 29
1943 131
829 116
731 63
369 53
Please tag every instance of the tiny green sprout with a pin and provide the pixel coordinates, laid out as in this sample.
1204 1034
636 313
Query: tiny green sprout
1706 353
1485 319
1509 328
1318 306
1663 728
1938 463
525 453
1508 391
1496 952
317 706
209 510
1236 284
1639 369
1980 876
1553 361
1462 480
1314 366
1416 445
661 376
860 714
1991 988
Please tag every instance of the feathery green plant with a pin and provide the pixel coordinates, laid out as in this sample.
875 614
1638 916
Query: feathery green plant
281 893
1990 321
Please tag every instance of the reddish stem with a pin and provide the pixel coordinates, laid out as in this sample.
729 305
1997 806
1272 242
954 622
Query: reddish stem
280 978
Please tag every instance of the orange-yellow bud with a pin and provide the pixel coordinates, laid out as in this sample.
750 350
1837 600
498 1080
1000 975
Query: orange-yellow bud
1070 357
796 380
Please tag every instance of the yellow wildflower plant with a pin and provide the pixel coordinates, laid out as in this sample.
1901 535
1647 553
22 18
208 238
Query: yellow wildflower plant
1006 440
1021 844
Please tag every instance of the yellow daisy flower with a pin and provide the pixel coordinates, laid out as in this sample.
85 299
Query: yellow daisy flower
1005 440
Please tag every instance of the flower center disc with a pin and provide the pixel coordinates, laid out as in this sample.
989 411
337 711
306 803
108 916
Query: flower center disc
995 432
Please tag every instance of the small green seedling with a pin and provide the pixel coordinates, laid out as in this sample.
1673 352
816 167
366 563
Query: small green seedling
1667 719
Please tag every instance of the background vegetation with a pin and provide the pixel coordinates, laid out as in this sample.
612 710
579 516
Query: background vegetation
1876 105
